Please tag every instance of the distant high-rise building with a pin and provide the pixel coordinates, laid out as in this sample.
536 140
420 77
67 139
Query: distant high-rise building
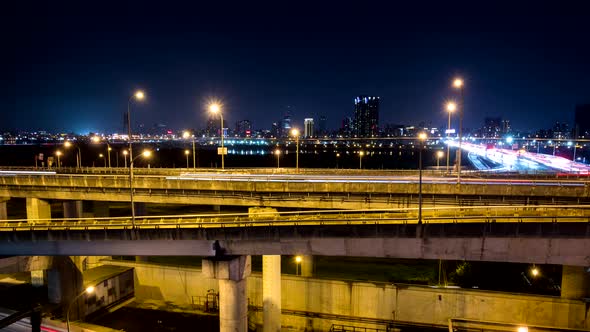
346 127
308 127
244 128
492 127
285 128
322 129
561 130
366 116
506 127
582 121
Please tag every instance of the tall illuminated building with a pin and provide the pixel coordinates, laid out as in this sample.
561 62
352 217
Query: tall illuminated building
308 127
366 116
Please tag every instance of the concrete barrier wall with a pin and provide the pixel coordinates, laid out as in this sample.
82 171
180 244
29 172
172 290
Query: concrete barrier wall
364 299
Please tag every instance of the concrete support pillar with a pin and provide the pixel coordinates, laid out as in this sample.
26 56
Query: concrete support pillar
271 293
3 209
307 266
38 209
100 209
64 283
233 301
72 209
575 282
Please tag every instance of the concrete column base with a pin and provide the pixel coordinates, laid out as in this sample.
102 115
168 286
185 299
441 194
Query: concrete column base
575 282
72 209
38 209
271 293
233 302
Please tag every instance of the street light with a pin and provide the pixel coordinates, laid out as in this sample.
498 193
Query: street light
186 153
125 153
101 156
278 154
88 290
186 135
298 260
439 154
216 108
535 271
145 154
295 133
459 85
337 158
138 95
361 153
421 137
68 145
58 154
451 107
109 153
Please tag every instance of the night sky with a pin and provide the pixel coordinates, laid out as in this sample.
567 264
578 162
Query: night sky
71 67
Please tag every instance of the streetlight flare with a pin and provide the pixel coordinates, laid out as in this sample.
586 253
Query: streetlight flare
186 134
90 290
277 152
440 154
295 132
522 329
458 83
95 139
298 259
422 136
67 144
187 152
139 95
535 271
125 152
451 106
214 108
147 153
58 153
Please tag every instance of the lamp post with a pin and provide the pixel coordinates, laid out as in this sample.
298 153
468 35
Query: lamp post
68 145
186 135
298 260
439 154
138 95
58 154
88 290
278 154
101 156
146 154
451 107
186 153
295 133
337 158
109 153
421 137
216 108
125 153
458 84
361 153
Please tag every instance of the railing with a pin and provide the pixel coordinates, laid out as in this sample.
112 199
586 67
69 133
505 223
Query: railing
447 215
347 328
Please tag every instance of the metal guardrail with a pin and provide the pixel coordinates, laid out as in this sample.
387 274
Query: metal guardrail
450 215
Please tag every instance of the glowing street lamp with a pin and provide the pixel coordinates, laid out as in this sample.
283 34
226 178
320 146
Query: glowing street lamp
101 156
58 154
295 133
522 329
439 154
535 271
215 109
278 154
125 153
459 85
298 260
361 154
68 145
88 290
145 154
451 107
139 96
187 153
422 138
186 135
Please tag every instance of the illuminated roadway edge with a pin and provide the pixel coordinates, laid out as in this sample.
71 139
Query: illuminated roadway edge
563 241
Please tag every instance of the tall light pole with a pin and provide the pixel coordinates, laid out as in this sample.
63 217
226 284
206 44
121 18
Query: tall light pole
101 156
186 153
68 145
422 138
109 153
88 290
361 154
186 135
138 95
278 154
439 154
298 260
146 154
216 108
458 84
58 154
295 133
125 153
451 107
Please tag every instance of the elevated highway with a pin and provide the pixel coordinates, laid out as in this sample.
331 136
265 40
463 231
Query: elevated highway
547 235
314 191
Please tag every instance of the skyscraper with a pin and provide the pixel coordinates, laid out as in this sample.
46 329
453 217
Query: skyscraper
244 128
308 127
366 116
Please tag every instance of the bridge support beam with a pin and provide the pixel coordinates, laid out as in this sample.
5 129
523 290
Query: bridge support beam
38 209
231 272
307 267
72 209
3 209
64 283
575 282
271 293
